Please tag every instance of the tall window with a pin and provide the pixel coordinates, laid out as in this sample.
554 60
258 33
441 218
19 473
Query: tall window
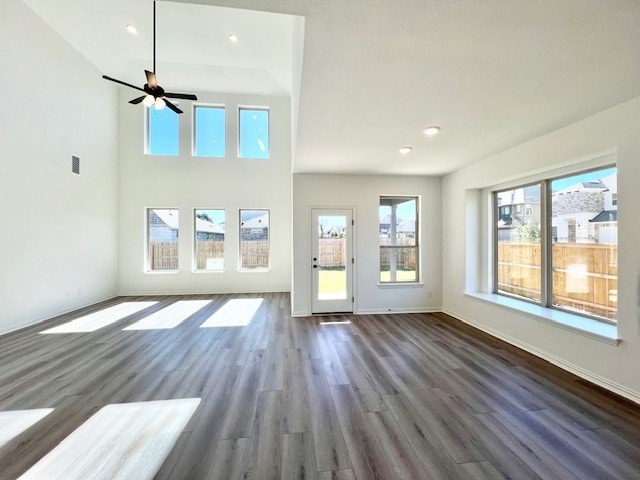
253 139
209 228
578 237
163 227
399 242
163 132
209 131
254 239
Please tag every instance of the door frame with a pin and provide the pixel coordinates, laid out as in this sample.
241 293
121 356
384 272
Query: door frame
354 253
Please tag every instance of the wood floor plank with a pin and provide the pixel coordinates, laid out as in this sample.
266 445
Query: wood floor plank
328 440
364 451
298 457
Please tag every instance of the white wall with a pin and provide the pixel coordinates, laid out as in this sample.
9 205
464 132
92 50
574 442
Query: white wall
58 248
614 130
363 193
186 182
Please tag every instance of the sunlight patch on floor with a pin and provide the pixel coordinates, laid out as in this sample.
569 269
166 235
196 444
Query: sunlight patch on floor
13 423
100 319
120 441
235 313
169 317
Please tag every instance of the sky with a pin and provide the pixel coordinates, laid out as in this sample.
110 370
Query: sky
210 125
563 183
217 216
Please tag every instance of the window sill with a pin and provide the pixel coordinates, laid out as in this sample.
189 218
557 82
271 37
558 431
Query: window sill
585 326
255 270
401 285
161 272
208 271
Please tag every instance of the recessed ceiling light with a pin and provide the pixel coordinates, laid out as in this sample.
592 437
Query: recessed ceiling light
233 38
132 30
405 150
431 131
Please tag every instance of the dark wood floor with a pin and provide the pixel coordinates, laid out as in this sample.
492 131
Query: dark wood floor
382 397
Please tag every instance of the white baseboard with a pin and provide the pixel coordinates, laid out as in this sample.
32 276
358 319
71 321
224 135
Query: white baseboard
376 311
49 316
212 292
555 360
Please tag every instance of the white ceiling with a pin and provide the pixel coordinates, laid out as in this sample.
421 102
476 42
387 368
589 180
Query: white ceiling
492 73
193 50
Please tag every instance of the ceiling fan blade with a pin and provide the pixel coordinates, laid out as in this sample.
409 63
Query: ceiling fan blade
172 106
136 101
183 96
151 79
122 83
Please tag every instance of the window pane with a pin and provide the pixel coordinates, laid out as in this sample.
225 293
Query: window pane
518 235
254 239
209 238
254 133
163 132
209 131
398 265
584 219
163 228
397 226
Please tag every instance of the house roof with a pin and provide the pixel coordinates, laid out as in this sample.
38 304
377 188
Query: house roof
261 221
206 226
171 220
605 216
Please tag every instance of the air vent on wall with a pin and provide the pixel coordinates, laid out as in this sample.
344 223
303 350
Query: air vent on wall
75 165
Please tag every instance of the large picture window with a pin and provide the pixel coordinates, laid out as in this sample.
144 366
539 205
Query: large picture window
163 228
399 242
556 243
209 230
254 239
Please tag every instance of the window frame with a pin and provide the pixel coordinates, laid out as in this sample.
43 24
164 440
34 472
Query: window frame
417 245
240 267
194 258
194 138
147 133
546 241
494 230
239 125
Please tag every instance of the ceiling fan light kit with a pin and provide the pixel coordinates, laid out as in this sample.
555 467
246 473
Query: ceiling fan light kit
154 94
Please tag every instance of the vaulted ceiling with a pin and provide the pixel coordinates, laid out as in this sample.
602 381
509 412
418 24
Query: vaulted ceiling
491 73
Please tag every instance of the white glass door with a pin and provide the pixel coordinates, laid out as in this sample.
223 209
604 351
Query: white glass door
332 261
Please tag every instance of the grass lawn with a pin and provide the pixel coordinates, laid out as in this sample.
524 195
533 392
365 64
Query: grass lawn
334 281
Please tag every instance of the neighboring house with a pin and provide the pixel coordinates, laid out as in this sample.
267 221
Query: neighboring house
586 212
516 208
207 230
256 228
164 227
404 228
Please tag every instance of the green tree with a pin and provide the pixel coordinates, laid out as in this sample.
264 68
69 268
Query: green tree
528 233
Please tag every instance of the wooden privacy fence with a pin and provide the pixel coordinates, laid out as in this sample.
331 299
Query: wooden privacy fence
332 252
164 255
585 276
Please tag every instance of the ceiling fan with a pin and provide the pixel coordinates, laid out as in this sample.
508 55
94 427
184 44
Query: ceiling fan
154 93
